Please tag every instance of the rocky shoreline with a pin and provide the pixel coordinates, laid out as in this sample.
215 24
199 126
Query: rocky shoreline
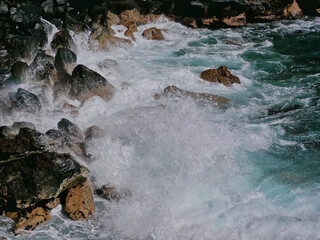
39 171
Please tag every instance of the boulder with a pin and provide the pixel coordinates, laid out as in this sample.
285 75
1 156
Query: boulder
108 63
153 34
42 67
70 129
8 132
19 70
65 61
63 39
200 98
79 203
86 83
220 75
25 101
105 40
25 14
29 178
129 34
93 132
133 27
23 124
237 21
293 11
30 219
53 203
113 19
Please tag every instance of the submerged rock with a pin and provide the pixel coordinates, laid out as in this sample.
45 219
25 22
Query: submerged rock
129 34
199 98
19 70
153 34
110 193
86 83
93 132
79 203
26 179
220 75
63 39
25 101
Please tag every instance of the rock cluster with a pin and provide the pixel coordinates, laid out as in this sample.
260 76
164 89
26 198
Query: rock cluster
35 176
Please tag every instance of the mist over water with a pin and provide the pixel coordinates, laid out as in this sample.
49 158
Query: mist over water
250 170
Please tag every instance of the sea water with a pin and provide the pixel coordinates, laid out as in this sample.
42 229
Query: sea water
250 170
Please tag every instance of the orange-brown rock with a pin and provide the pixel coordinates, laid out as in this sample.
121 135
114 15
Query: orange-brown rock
220 75
129 16
129 34
133 27
53 203
30 219
200 98
237 21
79 202
106 40
293 11
113 19
318 10
153 34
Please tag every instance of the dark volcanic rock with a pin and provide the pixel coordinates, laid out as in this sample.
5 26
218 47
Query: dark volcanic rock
86 83
25 101
25 14
110 193
42 67
63 39
65 60
69 128
31 177
220 75
19 70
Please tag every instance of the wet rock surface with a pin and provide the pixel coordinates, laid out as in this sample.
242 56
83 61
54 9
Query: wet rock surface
220 75
86 83
200 98
25 101
153 34
63 39
79 203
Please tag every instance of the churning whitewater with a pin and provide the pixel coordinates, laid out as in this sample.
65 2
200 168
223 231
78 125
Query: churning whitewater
249 170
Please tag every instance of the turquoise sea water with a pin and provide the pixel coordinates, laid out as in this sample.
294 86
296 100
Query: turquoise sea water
250 170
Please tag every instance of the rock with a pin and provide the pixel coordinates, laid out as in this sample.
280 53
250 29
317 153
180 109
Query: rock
8 132
93 132
23 124
25 14
3 8
53 203
237 21
25 101
106 40
110 193
153 34
42 67
318 10
129 16
129 34
86 83
79 202
108 63
188 21
99 29
65 61
30 219
113 19
199 98
220 75
265 19
54 134
19 70
293 11
29 178
63 39
69 128
133 27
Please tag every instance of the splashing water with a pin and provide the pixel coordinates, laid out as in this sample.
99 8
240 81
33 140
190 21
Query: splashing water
249 171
